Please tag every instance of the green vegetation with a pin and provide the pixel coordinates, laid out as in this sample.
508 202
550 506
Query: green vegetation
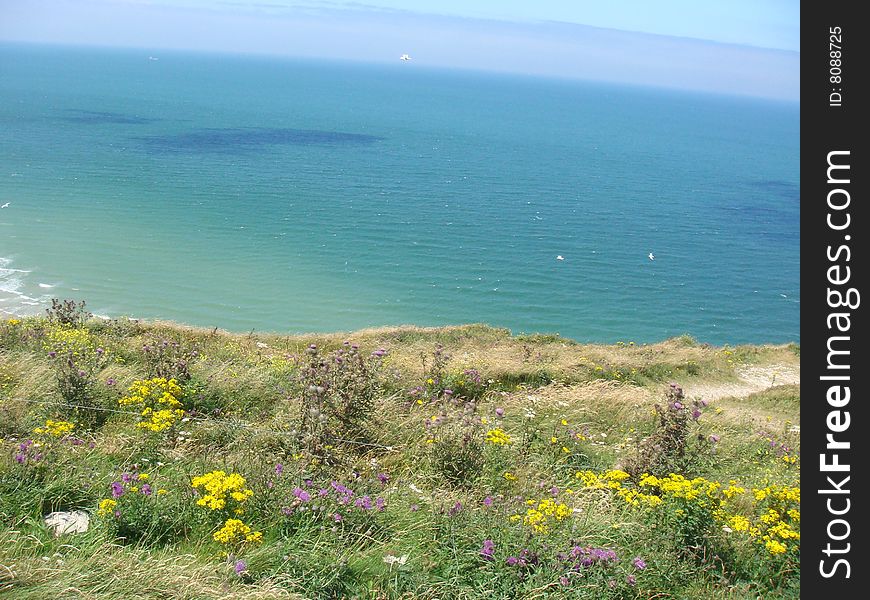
455 462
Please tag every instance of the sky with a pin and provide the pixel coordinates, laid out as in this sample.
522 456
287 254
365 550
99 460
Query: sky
746 47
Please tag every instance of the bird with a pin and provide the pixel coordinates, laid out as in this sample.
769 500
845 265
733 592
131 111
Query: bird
651 256
560 257
405 57
5 205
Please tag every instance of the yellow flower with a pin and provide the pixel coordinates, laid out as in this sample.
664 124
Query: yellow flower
497 437
775 547
143 477
236 532
106 507
55 428
510 476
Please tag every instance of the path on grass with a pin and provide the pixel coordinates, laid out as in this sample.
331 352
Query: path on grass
751 379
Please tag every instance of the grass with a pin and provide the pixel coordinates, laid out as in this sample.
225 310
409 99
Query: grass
403 422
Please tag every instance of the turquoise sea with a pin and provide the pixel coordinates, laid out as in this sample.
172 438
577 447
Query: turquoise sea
286 195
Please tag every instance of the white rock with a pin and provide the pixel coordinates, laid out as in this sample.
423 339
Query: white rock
76 521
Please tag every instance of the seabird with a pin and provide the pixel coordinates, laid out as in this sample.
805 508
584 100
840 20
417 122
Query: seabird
5 205
560 257
405 57
651 256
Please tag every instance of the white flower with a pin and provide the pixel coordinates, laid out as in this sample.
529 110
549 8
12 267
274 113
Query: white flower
392 560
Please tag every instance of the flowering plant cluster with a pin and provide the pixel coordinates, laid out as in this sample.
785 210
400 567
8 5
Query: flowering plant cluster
769 516
160 401
223 491
235 533
55 428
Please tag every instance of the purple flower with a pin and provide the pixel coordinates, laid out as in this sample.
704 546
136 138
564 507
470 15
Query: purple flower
146 489
279 468
364 503
337 517
20 458
240 567
323 493
384 478
631 580
487 550
380 504
286 511
487 502
301 494
714 438
564 580
554 491
512 561
455 509
379 353
696 414
448 392
82 373
111 381
126 477
117 489
414 508
100 351
499 412
678 405
639 563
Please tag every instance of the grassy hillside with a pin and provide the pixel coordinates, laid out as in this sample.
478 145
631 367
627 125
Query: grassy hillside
455 462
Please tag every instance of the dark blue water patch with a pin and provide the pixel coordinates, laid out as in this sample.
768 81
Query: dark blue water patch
99 117
247 139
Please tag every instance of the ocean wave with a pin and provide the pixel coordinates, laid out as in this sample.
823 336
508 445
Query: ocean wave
15 298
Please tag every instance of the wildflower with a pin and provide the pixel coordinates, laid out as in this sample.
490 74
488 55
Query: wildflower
117 489
161 492
631 580
497 437
564 580
106 507
143 477
456 509
279 468
510 476
55 428
364 503
714 438
384 478
487 502
219 487
240 567
639 563
487 550
337 517
235 531
499 412
146 489
414 507
512 561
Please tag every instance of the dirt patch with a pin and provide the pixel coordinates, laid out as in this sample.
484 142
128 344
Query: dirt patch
751 379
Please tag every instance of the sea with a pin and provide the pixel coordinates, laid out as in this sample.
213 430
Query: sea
285 195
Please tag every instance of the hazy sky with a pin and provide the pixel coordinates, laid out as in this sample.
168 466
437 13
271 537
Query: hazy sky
738 46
